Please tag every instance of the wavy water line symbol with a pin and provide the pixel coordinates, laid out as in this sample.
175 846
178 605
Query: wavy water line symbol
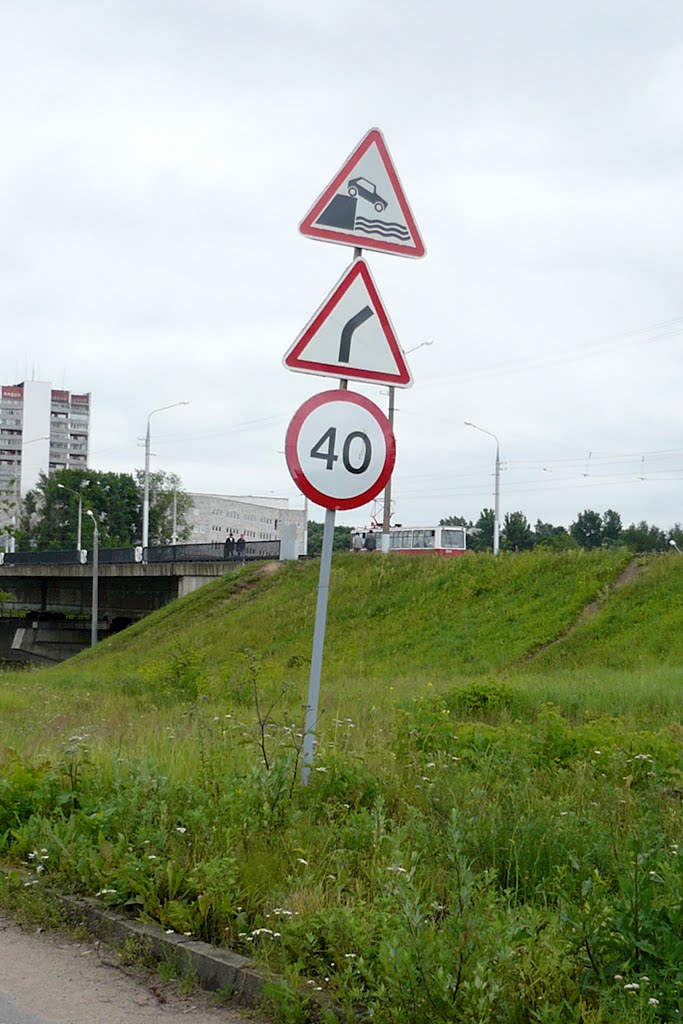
386 229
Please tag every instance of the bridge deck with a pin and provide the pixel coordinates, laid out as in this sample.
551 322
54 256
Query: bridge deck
121 569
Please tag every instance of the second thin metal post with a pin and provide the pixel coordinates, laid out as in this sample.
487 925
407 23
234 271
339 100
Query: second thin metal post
318 645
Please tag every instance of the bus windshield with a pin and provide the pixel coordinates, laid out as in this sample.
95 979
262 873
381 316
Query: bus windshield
453 538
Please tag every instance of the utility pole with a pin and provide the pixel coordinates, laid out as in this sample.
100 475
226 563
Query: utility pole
496 493
145 495
95 578
386 511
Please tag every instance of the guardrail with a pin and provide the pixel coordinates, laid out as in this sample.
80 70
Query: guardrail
71 557
255 550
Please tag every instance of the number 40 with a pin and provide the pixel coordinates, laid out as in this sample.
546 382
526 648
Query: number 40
325 449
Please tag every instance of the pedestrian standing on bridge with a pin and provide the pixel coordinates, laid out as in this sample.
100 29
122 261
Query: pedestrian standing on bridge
370 541
240 547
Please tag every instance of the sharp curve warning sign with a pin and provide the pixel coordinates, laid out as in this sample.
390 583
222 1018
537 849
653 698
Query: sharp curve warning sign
351 335
365 205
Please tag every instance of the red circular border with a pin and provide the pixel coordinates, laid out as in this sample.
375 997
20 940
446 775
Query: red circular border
294 466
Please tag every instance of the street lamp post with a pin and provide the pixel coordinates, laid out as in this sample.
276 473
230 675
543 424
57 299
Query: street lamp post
304 544
174 528
386 510
496 504
145 498
95 578
78 495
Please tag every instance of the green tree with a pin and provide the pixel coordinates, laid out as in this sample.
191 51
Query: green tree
643 538
50 511
611 528
164 490
480 536
455 521
675 534
341 541
49 519
556 538
587 531
517 533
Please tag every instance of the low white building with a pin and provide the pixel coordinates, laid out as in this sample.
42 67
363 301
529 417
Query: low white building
213 517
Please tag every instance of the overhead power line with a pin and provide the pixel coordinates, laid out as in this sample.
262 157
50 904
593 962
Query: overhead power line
662 331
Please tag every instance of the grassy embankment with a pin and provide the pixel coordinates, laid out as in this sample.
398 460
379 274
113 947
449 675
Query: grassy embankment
491 829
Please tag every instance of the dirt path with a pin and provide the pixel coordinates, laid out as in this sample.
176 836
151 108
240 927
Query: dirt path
626 576
48 979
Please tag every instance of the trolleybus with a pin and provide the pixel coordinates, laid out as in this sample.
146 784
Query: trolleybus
435 540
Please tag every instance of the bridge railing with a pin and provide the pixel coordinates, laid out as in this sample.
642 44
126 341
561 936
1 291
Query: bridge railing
115 556
214 552
71 557
255 550
185 553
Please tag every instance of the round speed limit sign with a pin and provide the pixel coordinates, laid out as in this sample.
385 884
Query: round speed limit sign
340 449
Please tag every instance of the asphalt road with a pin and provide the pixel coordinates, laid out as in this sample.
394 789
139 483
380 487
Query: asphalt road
47 979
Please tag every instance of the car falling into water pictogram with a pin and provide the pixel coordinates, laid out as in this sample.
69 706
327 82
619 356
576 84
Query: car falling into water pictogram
367 190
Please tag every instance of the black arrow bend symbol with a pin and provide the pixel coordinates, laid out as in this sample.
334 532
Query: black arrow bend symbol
347 331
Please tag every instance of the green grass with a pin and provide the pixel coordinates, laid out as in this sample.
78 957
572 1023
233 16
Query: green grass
438 617
639 626
490 831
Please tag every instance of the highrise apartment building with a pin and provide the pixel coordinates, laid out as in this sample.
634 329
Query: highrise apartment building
42 429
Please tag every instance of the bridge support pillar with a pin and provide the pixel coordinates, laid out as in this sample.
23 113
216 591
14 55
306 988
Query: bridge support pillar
188 584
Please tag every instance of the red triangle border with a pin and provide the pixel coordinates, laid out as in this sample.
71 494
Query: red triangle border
307 226
293 360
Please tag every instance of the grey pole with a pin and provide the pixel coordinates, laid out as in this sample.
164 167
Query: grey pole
386 517
496 504
496 499
145 494
95 578
305 537
318 643
175 516
79 495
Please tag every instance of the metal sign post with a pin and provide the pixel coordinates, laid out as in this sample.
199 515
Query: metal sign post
340 450
318 645
340 447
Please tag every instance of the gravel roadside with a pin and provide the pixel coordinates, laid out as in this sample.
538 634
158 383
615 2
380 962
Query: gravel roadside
46 978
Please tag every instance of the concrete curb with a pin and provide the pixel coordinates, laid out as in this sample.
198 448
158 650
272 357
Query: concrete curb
215 968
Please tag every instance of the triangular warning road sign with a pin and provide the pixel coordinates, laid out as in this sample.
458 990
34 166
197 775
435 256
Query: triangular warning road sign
351 335
365 205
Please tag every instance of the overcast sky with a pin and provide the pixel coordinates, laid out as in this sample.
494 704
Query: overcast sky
158 156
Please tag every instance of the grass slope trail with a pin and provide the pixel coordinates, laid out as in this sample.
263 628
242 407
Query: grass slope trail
424 618
640 624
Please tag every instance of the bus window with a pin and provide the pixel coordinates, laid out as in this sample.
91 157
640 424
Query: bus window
453 538
429 538
418 538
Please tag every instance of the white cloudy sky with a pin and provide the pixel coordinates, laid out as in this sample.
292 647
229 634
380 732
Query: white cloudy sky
157 158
